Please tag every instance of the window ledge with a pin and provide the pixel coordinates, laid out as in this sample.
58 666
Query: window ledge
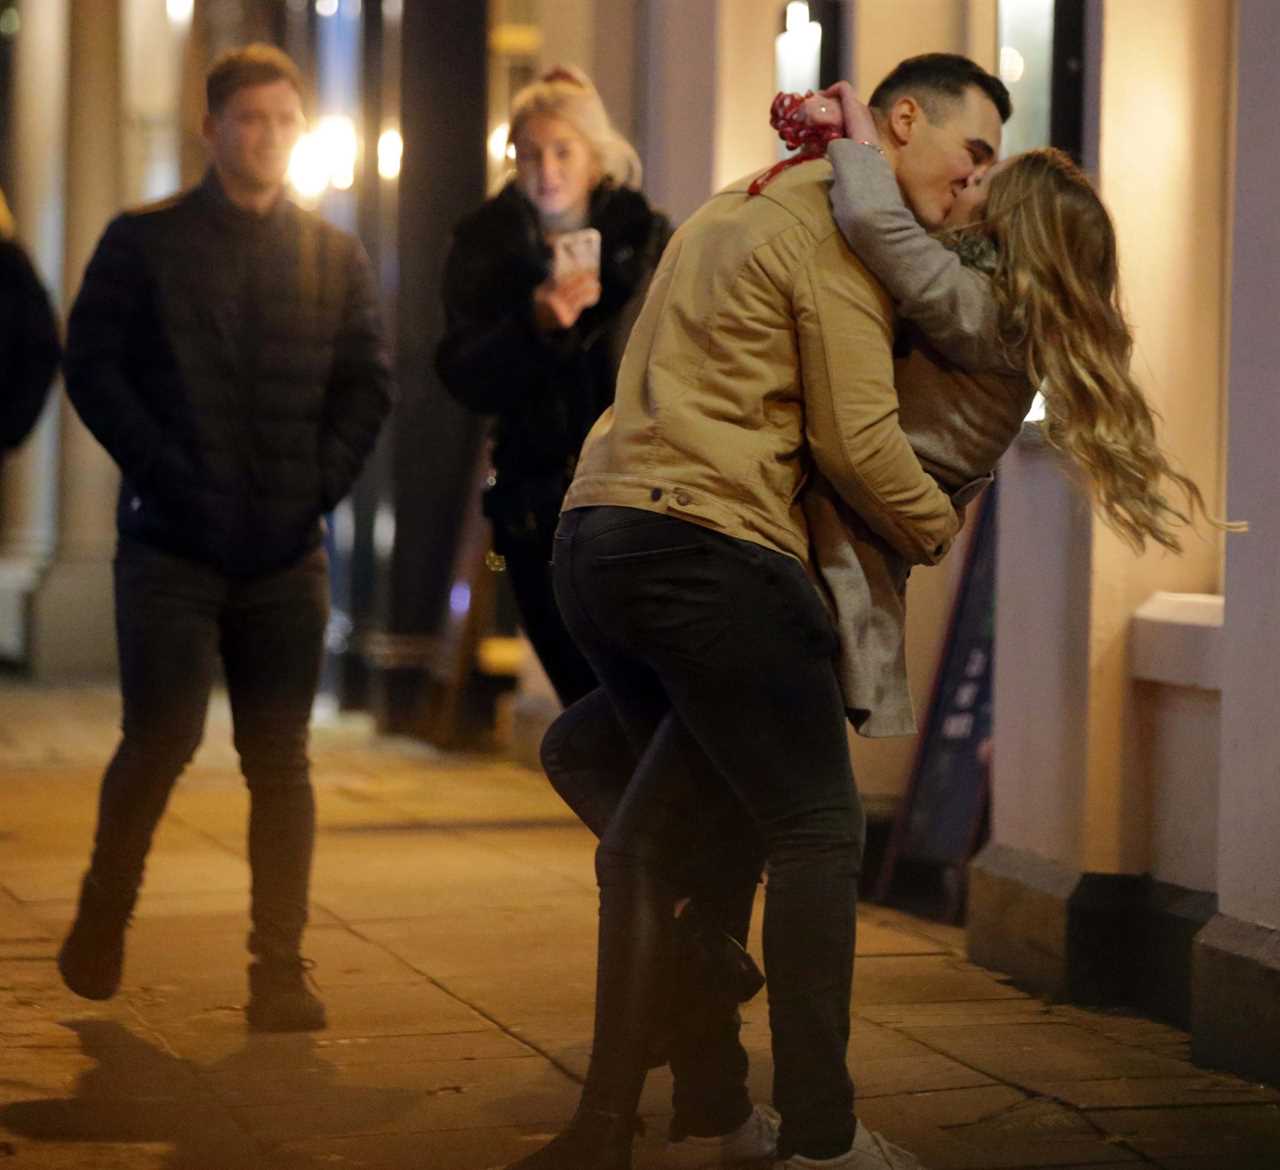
1177 640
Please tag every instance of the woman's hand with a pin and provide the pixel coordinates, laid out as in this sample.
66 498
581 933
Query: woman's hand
859 122
821 110
559 304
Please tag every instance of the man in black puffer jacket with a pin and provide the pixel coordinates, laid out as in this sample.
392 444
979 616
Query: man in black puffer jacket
225 348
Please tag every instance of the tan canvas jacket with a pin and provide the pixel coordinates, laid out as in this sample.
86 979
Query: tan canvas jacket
763 354
958 423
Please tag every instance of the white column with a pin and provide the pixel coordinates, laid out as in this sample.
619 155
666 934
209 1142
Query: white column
29 479
72 626
678 102
1249 817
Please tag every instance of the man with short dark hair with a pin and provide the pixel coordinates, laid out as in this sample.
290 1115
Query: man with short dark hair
226 350
762 355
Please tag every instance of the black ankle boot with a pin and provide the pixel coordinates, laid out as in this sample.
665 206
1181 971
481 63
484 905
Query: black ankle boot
593 1141
712 975
279 998
91 960
714 966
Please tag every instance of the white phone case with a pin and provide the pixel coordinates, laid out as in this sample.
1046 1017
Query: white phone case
575 252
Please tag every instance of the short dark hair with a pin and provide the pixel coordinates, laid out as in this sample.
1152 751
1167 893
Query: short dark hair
253 64
935 79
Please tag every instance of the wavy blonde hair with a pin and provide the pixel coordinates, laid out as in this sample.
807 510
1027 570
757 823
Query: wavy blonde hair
566 92
1056 285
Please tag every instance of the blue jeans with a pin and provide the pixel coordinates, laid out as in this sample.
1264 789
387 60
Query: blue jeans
718 657
175 619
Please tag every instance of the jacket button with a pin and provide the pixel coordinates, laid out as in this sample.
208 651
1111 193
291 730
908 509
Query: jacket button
655 495
684 499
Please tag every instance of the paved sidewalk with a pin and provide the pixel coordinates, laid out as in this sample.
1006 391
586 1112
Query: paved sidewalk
454 925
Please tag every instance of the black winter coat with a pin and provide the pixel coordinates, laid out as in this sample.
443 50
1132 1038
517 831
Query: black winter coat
234 368
545 389
29 349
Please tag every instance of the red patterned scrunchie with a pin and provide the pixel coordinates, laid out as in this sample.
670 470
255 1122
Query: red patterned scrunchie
807 140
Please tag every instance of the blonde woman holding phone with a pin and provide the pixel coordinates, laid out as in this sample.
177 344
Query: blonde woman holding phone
541 286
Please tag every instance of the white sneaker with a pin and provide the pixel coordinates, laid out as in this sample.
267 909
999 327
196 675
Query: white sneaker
870 1151
753 1144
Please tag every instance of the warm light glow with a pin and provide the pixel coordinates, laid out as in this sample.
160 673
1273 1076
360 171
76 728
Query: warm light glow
798 50
498 146
390 152
308 168
326 157
179 11
1012 65
340 146
797 16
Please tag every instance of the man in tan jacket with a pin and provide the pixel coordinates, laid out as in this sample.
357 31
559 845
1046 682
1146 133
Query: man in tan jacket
763 353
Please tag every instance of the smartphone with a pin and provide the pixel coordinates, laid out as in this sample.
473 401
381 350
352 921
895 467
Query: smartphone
575 252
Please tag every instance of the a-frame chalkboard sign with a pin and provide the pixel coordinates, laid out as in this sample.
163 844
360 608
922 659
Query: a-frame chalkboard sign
943 813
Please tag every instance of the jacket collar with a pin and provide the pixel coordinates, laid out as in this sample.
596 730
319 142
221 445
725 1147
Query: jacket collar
212 192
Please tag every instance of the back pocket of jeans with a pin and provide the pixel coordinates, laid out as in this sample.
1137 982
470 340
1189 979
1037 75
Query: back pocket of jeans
648 554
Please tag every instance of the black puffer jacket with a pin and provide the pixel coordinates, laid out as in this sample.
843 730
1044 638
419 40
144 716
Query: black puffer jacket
545 389
233 366
29 349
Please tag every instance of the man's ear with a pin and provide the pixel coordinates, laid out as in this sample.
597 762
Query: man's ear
208 127
903 117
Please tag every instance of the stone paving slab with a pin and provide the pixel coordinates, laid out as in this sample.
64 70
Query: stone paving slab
1230 1133
453 926
1034 1055
990 1128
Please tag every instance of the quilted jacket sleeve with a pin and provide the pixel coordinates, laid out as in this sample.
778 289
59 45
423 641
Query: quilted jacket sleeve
96 368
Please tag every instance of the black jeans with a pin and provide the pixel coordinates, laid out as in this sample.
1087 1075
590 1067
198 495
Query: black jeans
174 619
589 761
718 656
528 560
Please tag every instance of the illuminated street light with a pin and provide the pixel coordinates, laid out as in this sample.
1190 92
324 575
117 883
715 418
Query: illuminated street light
308 168
498 145
798 51
326 7
390 152
340 146
1012 65
326 157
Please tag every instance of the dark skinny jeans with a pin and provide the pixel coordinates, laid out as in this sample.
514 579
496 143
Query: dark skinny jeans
174 619
590 762
718 657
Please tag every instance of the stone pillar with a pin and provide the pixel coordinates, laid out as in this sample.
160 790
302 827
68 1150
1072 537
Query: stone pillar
677 99
1236 988
434 441
72 627
29 477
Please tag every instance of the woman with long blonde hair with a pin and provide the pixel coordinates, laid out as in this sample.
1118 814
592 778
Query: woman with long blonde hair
533 341
1033 287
